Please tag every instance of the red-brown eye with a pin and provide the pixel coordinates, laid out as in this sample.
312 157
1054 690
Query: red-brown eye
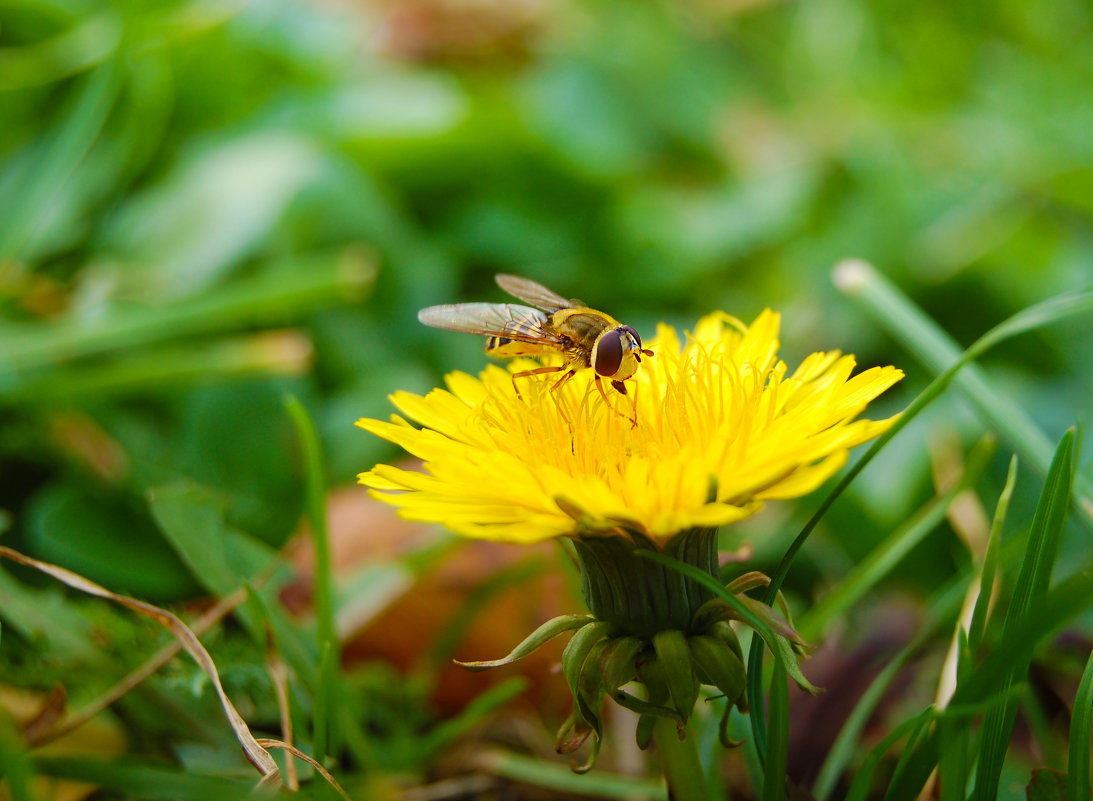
629 329
608 356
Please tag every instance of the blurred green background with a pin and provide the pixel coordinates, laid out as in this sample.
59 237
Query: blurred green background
207 205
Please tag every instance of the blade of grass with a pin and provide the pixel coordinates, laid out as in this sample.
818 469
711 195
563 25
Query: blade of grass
31 200
315 475
321 716
87 43
256 755
137 780
924 339
15 766
774 770
480 707
439 653
559 778
954 735
884 558
268 352
1077 768
910 728
1061 604
266 298
328 734
940 610
1025 320
1032 583
990 561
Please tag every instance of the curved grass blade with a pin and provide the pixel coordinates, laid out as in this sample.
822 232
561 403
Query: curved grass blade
930 344
884 558
1028 319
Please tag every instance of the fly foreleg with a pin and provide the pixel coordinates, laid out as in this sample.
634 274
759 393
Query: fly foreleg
540 371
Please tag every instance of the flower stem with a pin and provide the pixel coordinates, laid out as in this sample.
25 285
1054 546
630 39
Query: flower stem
679 760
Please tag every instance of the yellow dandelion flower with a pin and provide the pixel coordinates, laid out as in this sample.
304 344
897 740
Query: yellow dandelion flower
721 427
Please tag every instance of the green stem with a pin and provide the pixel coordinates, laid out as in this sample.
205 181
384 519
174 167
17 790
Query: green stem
679 759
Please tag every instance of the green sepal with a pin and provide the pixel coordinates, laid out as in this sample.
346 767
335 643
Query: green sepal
589 763
714 610
674 657
588 697
572 734
789 656
635 704
577 650
651 674
644 734
717 664
747 582
546 632
619 662
775 621
723 630
723 729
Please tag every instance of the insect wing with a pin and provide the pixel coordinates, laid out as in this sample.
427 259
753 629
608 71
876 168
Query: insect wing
505 320
533 293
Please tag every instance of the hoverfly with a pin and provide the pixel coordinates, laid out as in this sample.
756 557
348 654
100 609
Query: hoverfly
583 336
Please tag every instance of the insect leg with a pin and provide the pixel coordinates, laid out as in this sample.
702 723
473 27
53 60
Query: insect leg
620 388
554 394
537 371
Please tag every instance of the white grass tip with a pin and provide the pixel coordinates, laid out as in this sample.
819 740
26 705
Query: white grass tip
852 274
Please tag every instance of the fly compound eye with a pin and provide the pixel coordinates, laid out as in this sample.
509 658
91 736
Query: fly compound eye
607 353
629 329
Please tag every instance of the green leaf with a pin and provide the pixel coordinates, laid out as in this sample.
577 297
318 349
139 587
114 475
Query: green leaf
1061 604
191 517
16 767
106 538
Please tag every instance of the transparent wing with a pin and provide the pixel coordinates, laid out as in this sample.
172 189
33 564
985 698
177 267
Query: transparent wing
533 293
506 320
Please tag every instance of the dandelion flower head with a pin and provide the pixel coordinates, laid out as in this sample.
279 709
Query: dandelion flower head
721 427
